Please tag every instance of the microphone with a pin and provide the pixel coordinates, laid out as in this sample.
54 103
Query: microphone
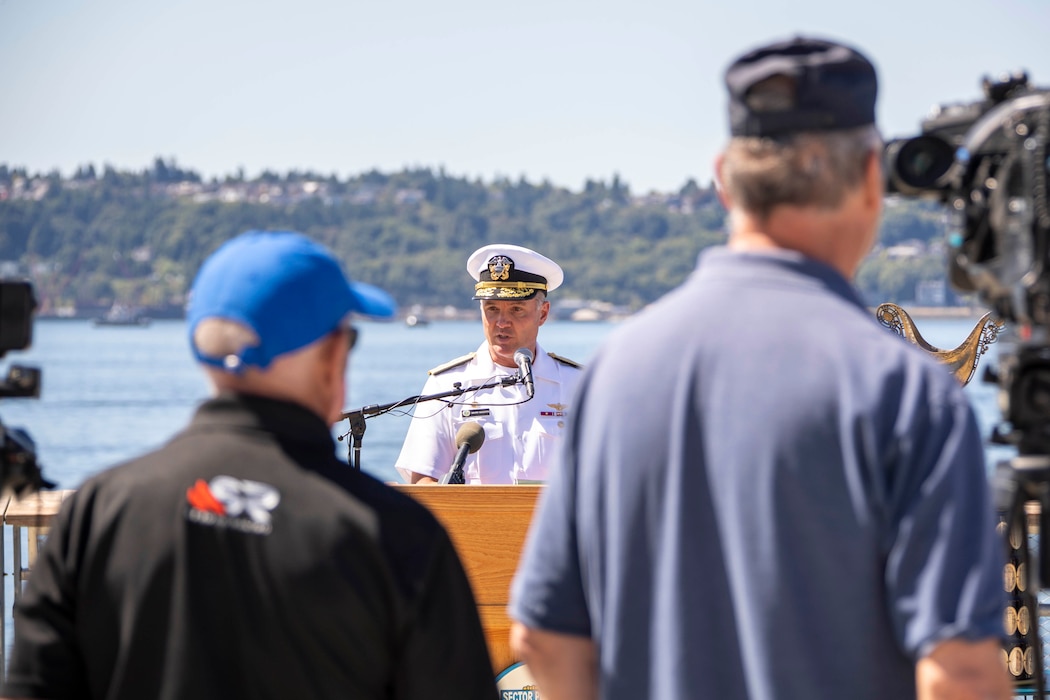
523 359
469 439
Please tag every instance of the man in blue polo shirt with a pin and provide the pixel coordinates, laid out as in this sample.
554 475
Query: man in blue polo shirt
765 495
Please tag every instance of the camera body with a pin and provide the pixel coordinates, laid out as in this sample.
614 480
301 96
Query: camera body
987 161
17 304
19 470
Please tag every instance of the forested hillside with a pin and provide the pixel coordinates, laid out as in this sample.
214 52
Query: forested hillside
137 238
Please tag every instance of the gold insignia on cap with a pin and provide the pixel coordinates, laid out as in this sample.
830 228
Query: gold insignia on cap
500 267
502 277
507 290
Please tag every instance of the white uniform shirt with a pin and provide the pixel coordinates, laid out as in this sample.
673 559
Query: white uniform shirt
521 439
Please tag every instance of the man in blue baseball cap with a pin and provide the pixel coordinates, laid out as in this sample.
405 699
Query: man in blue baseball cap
243 559
258 309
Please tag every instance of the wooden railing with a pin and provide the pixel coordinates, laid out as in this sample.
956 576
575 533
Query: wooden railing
32 513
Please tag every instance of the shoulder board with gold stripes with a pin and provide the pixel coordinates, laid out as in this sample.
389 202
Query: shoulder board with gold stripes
451 364
565 361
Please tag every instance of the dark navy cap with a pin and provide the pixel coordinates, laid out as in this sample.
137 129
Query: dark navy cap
829 86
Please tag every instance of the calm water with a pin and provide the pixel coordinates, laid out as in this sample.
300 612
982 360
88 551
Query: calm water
110 393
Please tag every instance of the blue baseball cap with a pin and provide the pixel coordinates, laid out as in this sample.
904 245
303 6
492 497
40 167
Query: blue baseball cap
286 288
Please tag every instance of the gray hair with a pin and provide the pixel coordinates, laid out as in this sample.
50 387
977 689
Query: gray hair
804 169
221 337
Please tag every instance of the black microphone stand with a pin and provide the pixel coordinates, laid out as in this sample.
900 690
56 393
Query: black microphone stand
357 417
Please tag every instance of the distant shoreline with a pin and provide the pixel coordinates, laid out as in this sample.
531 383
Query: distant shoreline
946 312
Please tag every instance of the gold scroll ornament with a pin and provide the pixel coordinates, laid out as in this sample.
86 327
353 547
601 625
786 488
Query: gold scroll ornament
962 361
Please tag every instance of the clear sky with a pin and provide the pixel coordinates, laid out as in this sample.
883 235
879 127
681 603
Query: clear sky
563 90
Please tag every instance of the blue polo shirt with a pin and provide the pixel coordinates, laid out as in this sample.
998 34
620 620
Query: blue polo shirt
764 494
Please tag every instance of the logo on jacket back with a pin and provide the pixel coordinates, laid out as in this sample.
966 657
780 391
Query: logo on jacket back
237 504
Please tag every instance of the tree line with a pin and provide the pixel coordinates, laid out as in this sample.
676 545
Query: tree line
138 237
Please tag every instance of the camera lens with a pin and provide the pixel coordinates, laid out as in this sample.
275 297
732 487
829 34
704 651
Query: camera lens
918 165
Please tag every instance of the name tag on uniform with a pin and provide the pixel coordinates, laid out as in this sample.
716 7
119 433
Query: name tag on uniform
472 412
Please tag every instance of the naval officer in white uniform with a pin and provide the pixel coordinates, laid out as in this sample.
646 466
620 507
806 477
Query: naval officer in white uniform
522 435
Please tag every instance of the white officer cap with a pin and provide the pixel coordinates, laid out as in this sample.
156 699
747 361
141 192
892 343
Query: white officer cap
504 272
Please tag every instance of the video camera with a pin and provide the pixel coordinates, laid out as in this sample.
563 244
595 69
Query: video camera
19 470
988 161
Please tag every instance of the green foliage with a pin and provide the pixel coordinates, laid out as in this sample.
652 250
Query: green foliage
883 278
904 220
139 238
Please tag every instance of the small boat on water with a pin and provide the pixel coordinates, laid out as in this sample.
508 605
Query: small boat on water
122 316
415 321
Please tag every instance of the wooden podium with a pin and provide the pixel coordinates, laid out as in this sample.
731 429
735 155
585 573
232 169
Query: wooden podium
487 525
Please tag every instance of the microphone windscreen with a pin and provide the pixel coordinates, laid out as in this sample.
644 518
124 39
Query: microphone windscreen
521 353
472 435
